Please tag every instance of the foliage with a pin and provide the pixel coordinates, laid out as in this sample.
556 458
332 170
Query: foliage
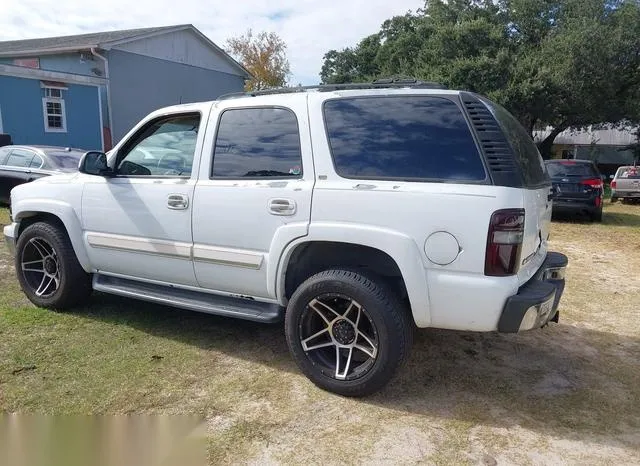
264 56
564 63
635 147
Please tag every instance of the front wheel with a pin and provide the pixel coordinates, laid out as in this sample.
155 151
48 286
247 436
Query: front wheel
347 332
48 270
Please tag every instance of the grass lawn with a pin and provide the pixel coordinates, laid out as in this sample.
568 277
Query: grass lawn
566 394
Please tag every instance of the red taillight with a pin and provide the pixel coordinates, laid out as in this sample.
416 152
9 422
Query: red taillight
613 184
593 182
504 242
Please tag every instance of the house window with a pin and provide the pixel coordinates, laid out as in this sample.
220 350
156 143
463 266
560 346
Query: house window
55 119
53 92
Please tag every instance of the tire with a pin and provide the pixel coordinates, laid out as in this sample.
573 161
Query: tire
596 216
614 199
48 269
368 354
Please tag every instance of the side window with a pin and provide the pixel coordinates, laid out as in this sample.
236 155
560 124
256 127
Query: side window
257 142
165 147
402 138
4 153
20 158
36 162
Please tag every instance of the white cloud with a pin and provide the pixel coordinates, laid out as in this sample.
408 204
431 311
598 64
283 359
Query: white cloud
309 27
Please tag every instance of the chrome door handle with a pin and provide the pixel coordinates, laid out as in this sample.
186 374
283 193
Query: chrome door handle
282 206
177 201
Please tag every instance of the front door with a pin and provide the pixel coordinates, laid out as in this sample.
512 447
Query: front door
253 196
138 223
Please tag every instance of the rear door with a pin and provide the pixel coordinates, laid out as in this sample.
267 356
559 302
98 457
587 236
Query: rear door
4 187
253 195
16 170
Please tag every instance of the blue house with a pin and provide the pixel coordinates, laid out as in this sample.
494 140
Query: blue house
88 90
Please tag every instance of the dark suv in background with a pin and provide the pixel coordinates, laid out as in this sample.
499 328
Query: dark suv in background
578 187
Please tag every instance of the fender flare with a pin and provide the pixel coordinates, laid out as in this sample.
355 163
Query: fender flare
26 208
401 248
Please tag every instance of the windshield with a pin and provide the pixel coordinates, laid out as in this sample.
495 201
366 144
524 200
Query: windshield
65 159
569 168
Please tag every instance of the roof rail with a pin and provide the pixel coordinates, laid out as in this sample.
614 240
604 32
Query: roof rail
377 84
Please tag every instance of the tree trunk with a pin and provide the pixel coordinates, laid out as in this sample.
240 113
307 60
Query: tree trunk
545 146
532 126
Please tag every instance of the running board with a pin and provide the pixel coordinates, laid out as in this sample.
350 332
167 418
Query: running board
187 299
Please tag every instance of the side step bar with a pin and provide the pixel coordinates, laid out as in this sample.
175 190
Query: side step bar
187 299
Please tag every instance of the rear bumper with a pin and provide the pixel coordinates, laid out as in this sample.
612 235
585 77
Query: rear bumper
625 193
565 205
536 302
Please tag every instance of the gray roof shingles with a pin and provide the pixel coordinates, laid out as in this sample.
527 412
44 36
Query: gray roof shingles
80 41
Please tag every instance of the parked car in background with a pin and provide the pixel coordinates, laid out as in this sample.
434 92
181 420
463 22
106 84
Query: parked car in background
626 184
22 164
578 187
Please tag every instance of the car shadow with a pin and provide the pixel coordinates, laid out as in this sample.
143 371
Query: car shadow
563 380
608 218
572 217
622 218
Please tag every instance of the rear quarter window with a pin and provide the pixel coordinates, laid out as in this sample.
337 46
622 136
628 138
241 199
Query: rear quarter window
413 138
526 152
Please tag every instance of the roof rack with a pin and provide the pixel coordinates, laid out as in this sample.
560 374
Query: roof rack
377 84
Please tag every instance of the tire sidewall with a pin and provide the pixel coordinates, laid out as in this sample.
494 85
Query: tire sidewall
388 353
39 230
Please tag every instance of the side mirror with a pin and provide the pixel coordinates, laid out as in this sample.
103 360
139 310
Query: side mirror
611 177
94 163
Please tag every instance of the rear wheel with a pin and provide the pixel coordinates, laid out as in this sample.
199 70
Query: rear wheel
48 270
614 199
347 332
596 216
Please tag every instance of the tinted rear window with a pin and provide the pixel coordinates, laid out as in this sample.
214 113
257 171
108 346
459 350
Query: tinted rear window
629 173
404 137
65 159
558 169
527 156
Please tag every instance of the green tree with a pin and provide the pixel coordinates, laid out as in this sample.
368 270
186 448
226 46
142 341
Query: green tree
264 56
564 63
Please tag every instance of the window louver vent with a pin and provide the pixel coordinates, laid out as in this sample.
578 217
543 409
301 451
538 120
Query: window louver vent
497 151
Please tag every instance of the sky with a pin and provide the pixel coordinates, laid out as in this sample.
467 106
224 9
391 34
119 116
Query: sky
310 28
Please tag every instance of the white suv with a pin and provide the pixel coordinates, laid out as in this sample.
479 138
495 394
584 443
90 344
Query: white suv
354 212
